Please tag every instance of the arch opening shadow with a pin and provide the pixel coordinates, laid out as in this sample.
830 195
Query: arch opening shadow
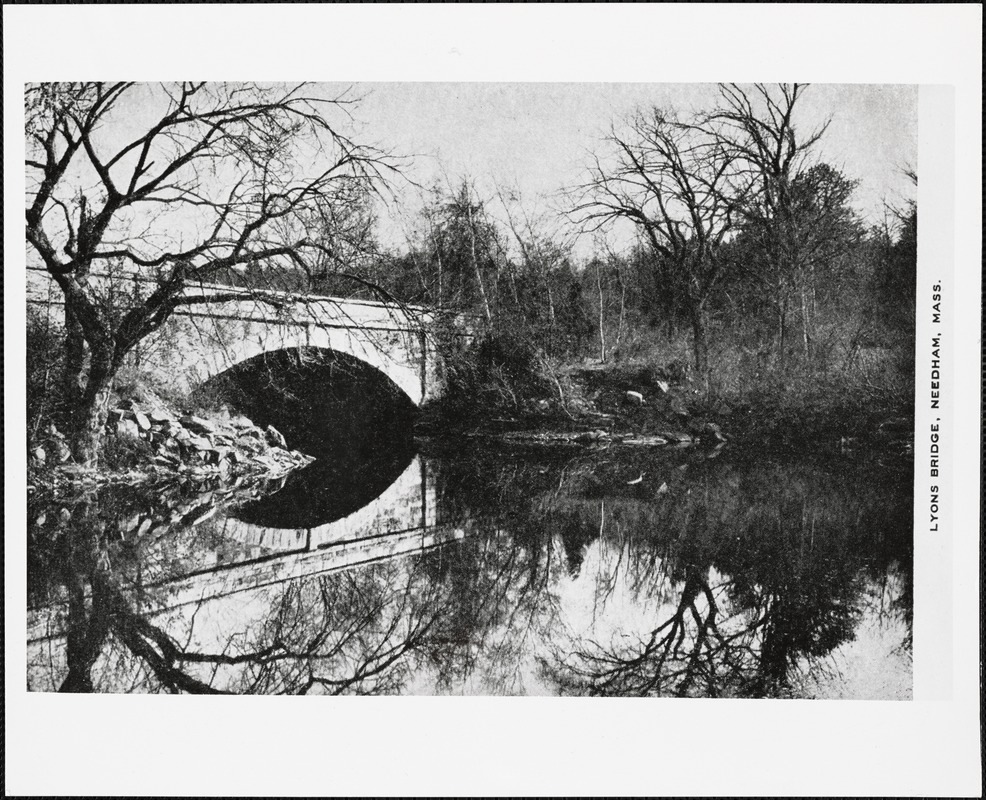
328 404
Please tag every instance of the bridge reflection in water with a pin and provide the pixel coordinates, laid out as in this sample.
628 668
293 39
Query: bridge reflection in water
206 606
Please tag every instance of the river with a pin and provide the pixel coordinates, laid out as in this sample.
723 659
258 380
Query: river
487 570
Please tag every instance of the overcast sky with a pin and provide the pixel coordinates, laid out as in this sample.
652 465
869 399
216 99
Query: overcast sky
535 136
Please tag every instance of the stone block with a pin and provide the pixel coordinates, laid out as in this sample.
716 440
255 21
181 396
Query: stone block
127 428
160 416
198 425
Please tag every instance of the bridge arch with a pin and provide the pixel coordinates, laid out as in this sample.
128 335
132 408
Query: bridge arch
221 326
197 348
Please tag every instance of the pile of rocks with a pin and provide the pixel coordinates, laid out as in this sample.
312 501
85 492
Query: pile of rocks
190 443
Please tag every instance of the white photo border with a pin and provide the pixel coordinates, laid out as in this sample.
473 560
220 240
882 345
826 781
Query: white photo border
404 746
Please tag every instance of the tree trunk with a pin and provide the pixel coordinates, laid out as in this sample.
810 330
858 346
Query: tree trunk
699 344
623 305
90 419
806 324
88 622
479 275
73 377
73 382
602 332
782 332
551 318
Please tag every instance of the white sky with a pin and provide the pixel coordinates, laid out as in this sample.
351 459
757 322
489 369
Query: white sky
535 137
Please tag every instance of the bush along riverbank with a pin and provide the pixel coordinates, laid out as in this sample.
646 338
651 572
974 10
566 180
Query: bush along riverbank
503 390
149 441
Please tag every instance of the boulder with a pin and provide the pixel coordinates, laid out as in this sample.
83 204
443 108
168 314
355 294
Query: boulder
160 416
130 523
198 425
249 443
142 421
127 428
202 517
267 462
39 455
217 455
635 398
274 437
199 443
171 427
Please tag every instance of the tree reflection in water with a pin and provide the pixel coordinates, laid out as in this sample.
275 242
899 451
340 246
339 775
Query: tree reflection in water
131 626
708 578
769 566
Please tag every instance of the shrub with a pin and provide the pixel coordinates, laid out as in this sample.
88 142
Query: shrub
502 371
45 357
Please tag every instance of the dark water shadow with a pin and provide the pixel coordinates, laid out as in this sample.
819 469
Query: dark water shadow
330 489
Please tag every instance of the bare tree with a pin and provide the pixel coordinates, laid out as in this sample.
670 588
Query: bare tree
183 183
755 127
678 185
545 248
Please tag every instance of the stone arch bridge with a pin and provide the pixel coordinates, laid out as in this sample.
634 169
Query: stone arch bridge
202 340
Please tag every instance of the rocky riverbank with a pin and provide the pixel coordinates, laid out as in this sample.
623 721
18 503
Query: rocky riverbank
149 441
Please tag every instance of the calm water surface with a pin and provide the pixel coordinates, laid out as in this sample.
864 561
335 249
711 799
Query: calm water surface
487 571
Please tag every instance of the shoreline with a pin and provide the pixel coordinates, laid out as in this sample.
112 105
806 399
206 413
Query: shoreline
152 441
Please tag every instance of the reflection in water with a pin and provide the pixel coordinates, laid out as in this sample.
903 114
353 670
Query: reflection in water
518 572
328 489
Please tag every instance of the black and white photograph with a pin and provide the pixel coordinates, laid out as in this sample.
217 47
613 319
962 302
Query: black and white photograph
500 386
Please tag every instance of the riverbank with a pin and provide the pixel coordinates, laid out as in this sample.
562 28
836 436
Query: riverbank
639 404
151 440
